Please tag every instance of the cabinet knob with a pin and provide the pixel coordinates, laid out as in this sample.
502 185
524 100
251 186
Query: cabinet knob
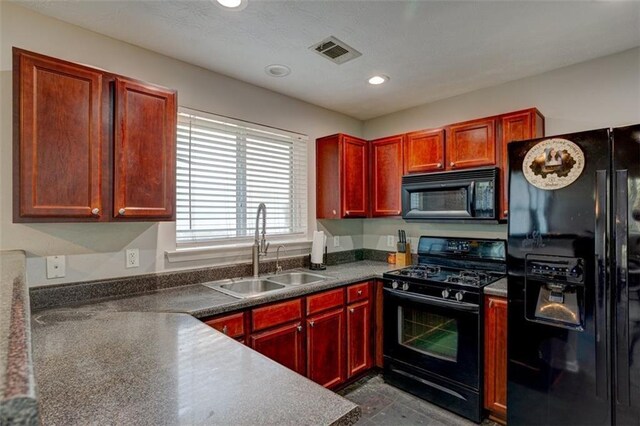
347 213
506 212
359 292
95 211
351 310
452 164
311 323
225 329
121 211
439 165
299 328
334 212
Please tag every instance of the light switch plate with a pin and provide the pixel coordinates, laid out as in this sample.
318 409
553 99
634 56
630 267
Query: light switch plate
132 259
390 240
56 267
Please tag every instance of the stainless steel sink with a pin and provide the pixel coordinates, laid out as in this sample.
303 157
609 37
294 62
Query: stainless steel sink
246 287
296 278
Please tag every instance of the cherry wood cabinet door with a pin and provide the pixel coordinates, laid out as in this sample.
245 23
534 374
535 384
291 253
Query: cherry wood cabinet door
516 126
495 359
471 144
354 177
58 139
144 151
325 348
358 338
285 345
424 151
386 175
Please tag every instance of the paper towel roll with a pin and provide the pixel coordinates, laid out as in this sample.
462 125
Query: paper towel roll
317 247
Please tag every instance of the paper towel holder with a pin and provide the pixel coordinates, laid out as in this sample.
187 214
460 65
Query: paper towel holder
319 266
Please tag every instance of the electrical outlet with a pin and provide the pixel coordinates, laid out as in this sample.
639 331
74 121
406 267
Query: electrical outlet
390 240
132 259
336 241
55 267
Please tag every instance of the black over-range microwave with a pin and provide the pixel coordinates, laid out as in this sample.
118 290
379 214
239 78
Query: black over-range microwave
455 195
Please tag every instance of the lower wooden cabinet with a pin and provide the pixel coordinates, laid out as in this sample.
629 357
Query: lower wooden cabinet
495 357
358 338
285 345
325 348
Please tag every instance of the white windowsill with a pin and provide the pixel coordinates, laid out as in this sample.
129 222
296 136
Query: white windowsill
235 253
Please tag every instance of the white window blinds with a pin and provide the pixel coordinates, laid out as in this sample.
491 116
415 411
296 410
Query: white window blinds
226 167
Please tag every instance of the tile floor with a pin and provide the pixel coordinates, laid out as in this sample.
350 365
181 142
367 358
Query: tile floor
383 404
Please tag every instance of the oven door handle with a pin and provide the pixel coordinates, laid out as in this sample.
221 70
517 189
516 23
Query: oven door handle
418 298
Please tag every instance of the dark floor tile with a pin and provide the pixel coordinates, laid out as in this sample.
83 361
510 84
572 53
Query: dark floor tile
370 401
400 415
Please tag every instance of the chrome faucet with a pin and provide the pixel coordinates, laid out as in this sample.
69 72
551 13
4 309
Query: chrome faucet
260 244
278 266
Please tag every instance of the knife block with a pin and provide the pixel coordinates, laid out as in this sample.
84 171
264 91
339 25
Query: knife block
404 258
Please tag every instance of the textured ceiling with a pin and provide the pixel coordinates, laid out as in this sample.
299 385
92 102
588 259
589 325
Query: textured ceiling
431 50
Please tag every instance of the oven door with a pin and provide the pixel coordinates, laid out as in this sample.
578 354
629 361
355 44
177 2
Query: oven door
438 336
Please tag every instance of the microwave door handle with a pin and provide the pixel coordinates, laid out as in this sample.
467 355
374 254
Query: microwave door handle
471 201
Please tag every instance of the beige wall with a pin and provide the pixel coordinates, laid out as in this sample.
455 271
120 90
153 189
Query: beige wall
604 92
97 250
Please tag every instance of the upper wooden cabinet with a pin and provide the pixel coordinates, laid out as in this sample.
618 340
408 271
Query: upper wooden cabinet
58 139
144 150
516 126
471 144
424 151
90 145
342 177
386 175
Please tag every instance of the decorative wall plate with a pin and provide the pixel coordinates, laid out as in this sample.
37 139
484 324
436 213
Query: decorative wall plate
553 164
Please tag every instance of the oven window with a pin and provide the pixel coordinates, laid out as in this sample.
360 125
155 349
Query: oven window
429 333
442 200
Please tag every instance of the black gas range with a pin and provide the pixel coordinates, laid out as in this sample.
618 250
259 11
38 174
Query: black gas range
433 321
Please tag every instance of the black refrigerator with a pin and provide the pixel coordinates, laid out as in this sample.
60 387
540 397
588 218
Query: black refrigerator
574 279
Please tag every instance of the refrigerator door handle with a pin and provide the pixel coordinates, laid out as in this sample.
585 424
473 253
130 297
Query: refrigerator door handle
602 387
621 280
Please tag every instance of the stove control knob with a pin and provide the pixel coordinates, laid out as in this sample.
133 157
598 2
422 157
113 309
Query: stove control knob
445 293
405 286
394 284
459 296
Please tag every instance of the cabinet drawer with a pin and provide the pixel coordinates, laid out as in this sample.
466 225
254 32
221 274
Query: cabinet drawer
357 292
231 325
272 315
323 301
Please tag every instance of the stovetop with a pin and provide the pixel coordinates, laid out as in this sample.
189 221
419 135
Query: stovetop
426 273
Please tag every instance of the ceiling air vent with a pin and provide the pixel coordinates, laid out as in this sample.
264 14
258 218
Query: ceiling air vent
335 50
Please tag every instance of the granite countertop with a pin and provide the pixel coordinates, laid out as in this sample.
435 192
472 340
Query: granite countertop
157 369
499 288
141 359
17 389
201 301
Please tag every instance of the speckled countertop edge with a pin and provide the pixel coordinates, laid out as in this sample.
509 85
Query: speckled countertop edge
18 403
499 288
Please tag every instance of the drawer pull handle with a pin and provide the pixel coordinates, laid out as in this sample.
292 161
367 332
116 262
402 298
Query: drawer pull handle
311 323
299 328
359 292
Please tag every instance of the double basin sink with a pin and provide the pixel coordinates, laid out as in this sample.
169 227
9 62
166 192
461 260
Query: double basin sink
250 287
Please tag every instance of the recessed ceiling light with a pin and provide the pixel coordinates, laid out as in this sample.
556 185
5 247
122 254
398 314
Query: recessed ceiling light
378 79
233 4
277 70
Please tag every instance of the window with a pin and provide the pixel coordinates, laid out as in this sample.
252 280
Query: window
226 167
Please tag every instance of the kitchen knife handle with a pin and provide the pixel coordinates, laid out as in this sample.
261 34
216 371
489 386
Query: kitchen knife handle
621 280
602 361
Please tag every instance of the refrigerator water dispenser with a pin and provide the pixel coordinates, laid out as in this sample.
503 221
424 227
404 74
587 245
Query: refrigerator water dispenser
554 291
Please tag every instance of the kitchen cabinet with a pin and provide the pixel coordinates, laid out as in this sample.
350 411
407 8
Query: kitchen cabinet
359 356
515 126
342 165
495 357
90 145
325 348
386 175
231 325
284 344
424 151
471 144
